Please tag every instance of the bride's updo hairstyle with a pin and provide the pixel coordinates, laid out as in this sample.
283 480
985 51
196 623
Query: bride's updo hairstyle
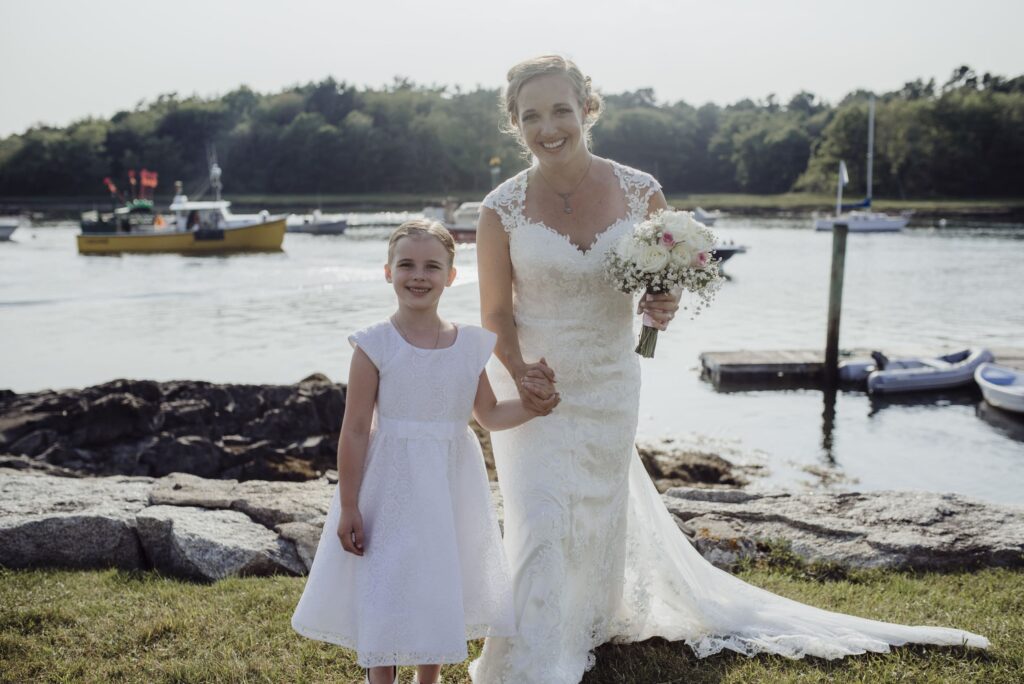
587 99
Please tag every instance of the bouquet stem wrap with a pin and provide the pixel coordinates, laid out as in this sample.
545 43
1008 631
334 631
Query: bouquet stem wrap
649 335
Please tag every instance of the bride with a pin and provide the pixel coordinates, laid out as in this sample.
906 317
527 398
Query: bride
594 553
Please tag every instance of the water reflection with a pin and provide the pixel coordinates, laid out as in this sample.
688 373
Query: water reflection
1004 422
961 396
828 424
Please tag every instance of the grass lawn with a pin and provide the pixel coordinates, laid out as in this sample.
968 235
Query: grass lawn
117 626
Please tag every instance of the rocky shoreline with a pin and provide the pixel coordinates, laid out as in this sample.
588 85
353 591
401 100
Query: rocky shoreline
141 427
238 432
205 529
205 481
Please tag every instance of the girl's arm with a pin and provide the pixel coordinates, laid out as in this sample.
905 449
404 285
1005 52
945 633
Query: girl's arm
352 445
494 266
498 415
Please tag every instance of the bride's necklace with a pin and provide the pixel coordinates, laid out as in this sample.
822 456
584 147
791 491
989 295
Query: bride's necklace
567 208
406 337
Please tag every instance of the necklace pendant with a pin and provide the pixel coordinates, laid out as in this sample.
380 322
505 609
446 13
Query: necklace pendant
568 209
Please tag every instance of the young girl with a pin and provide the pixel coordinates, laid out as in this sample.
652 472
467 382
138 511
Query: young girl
410 563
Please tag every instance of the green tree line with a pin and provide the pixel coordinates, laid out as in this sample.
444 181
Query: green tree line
964 138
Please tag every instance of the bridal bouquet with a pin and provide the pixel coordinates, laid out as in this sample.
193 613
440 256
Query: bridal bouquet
669 250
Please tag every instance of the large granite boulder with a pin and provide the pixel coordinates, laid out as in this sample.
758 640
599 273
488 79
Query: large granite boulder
199 543
48 521
920 530
268 503
182 525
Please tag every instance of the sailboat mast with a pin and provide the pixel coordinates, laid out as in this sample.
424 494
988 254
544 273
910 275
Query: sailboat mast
871 145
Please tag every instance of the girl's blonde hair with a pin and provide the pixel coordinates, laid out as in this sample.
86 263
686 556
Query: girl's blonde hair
423 227
588 100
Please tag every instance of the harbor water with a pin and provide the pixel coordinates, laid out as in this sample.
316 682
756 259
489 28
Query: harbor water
70 321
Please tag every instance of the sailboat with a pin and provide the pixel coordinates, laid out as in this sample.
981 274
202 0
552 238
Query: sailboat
859 217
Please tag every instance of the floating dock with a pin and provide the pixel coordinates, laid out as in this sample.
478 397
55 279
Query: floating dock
803 368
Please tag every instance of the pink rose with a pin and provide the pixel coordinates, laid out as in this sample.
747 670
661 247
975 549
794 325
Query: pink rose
667 239
702 258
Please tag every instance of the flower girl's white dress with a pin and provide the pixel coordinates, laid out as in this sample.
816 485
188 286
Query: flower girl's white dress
434 573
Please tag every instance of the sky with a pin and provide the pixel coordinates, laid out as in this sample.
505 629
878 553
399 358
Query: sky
63 60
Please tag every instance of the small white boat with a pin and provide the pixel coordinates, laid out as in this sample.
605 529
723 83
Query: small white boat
316 223
922 373
1001 386
708 218
460 222
9 224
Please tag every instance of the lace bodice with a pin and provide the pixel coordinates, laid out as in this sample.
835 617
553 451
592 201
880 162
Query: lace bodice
552 278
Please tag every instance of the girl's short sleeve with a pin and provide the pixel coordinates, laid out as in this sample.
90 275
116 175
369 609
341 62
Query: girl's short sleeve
485 346
372 341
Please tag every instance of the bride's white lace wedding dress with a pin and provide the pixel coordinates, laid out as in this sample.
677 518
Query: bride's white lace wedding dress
594 553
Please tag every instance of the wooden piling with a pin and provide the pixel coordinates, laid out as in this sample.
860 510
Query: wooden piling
835 301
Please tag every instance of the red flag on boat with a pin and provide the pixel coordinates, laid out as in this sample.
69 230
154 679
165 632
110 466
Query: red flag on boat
110 186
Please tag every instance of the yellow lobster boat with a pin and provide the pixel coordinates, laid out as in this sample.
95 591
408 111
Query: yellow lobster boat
256 237
195 227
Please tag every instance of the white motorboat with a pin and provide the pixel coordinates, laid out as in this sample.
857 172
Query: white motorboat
923 373
866 221
317 223
9 224
1001 386
460 222
708 218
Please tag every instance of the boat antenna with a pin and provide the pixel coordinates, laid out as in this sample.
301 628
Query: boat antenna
871 145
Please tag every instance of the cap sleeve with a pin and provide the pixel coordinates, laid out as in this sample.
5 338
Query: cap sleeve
485 346
373 342
639 186
507 201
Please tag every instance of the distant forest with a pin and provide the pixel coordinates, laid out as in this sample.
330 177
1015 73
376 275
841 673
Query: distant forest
963 138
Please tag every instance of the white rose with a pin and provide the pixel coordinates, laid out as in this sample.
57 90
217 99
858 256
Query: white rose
651 258
682 255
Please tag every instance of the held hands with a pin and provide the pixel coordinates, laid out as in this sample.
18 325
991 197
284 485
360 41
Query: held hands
660 308
536 385
350 531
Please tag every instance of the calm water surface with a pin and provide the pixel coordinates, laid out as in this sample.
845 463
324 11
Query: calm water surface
70 321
